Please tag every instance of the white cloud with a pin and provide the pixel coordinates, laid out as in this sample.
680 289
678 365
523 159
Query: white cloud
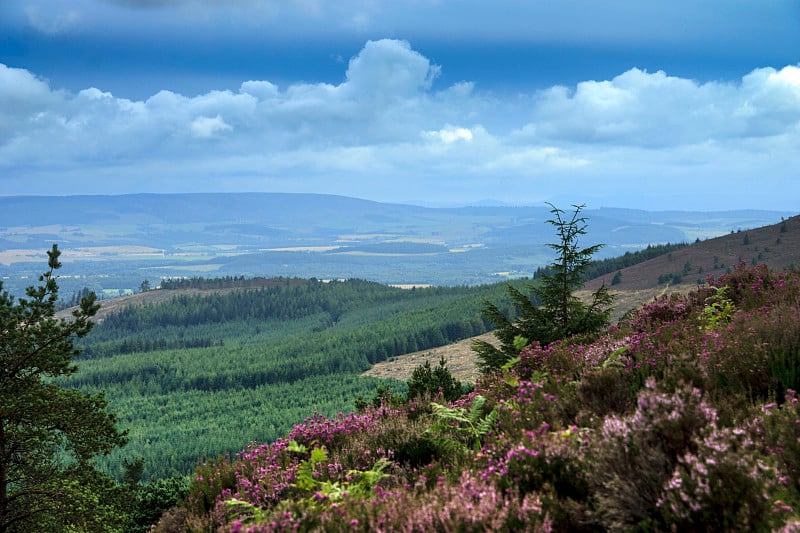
385 133
207 127
657 110
263 90
450 135
23 100
388 70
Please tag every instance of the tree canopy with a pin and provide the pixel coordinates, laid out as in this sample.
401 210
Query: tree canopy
49 435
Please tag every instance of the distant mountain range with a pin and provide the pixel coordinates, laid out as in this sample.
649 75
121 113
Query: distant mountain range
151 236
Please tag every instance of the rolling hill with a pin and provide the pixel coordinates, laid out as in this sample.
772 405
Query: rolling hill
776 245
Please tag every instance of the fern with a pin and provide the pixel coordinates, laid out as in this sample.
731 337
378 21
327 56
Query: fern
469 426
305 472
718 310
614 358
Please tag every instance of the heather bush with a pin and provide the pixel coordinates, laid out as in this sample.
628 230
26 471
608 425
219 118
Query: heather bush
781 431
526 406
395 435
755 357
469 504
264 473
663 310
331 432
211 478
554 361
605 391
636 455
548 463
724 483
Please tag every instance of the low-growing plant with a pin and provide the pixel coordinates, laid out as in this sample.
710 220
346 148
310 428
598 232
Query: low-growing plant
723 482
718 310
636 455
606 391
781 429
466 427
211 478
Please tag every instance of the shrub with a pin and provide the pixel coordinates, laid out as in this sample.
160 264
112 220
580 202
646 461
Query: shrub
211 478
781 429
427 381
153 499
723 482
637 454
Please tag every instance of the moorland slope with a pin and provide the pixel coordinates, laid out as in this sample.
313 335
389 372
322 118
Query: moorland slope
775 245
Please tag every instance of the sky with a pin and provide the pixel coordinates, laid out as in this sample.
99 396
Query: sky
657 105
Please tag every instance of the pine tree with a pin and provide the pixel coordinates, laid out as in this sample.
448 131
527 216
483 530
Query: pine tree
552 311
49 434
430 381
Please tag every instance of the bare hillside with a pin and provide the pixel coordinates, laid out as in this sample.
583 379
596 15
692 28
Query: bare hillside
777 246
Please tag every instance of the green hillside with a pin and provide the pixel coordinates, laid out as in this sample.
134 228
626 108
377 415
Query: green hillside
201 375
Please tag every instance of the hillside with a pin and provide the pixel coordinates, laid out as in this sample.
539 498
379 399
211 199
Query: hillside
684 418
639 284
252 361
159 296
776 245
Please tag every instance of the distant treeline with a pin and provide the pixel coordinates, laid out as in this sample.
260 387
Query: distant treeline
284 300
145 344
601 267
228 282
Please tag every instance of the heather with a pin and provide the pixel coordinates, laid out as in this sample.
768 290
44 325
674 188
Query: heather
681 417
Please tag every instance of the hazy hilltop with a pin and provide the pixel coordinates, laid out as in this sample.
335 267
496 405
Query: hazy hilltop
283 219
112 243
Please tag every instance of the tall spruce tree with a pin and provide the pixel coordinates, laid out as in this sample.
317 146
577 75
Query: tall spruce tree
552 311
49 435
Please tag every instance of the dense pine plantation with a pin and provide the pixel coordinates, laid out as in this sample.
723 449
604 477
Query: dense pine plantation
684 417
206 375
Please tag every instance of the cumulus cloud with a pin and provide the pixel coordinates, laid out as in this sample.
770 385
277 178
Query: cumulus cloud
388 69
385 132
657 110
207 127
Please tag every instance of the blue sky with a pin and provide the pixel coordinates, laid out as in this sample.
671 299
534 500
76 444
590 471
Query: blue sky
652 105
